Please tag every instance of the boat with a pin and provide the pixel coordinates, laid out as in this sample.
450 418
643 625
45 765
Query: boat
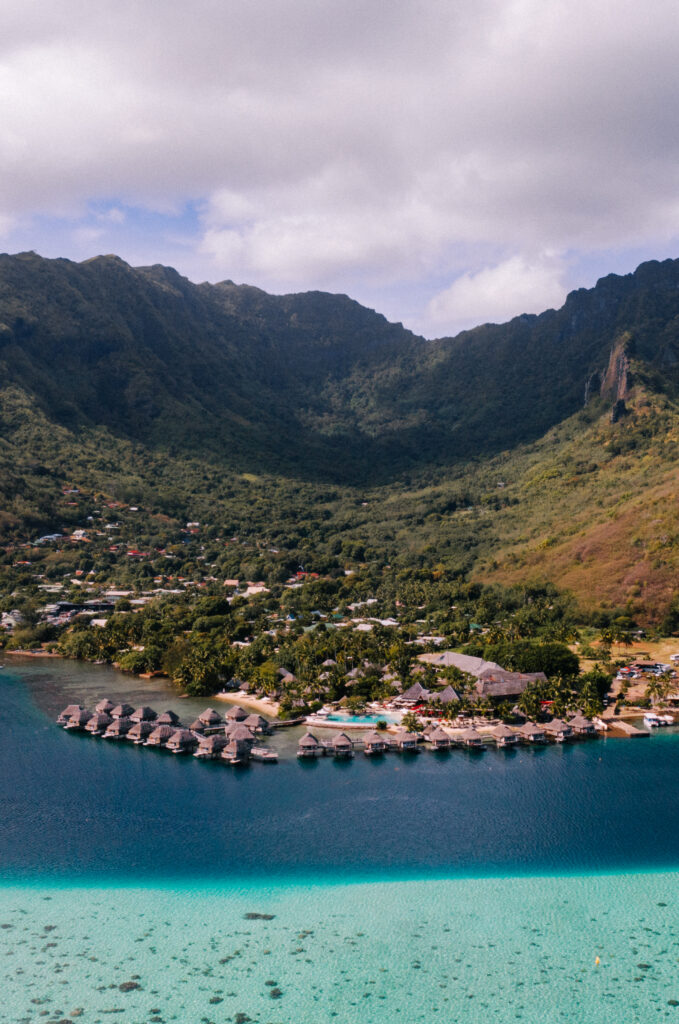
654 721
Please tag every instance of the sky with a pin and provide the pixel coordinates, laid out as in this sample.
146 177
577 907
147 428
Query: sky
446 162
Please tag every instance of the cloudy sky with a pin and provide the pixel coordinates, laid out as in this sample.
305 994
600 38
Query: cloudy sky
447 162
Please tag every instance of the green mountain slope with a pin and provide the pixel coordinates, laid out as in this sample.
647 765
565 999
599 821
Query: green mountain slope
326 436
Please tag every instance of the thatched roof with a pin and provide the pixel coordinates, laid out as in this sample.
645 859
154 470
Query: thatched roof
308 740
212 744
140 730
503 732
416 692
341 741
580 722
407 737
438 735
447 696
373 737
256 722
197 726
210 717
120 727
236 714
105 705
72 709
80 717
241 732
144 714
122 711
100 720
470 734
531 729
236 748
167 718
182 738
556 725
161 733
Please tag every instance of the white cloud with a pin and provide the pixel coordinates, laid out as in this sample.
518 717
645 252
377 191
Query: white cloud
495 294
348 144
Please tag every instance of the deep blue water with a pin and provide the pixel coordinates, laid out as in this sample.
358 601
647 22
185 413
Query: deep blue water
77 807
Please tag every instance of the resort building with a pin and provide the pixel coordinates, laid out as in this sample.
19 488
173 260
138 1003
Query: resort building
558 731
504 736
211 747
143 714
374 743
140 732
529 732
309 746
342 746
98 723
160 735
72 709
118 729
439 739
182 741
121 711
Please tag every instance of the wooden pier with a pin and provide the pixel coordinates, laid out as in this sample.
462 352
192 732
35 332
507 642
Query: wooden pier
627 729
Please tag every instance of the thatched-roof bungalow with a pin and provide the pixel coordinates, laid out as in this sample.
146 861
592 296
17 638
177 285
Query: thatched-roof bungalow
415 694
309 746
211 747
529 732
79 719
257 724
143 714
72 709
558 731
182 741
504 736
342 746
236 752
407 741
447 696
240 732
210 718
106 706
582 726
168 718
439 739
121 711
98 723
197 726
118 729
236 714
160 735
471 738
374 743
140 731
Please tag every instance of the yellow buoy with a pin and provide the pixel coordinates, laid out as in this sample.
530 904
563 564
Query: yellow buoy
597 961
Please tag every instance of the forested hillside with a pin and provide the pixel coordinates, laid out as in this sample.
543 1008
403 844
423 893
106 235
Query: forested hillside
332 438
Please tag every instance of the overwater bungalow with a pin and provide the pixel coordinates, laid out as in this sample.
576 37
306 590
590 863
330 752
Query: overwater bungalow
558 731
257 724
182 741
374 743
144 714
160 735
79 719
98 723
210 718
106 706
407 741
342 746
439 739
72 709
582 726
471 738
168 718
504 736
240 733
118 729
121 711
197 726
236 752
309 746
529 732
140 732
210 747
236 714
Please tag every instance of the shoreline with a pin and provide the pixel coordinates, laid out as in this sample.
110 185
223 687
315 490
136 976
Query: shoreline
261 704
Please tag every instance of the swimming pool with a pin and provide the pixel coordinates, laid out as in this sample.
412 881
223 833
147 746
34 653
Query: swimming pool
362 719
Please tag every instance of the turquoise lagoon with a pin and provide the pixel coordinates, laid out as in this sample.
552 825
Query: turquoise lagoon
535 885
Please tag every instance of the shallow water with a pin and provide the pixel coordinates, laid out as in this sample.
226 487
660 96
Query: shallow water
460 951
452 886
